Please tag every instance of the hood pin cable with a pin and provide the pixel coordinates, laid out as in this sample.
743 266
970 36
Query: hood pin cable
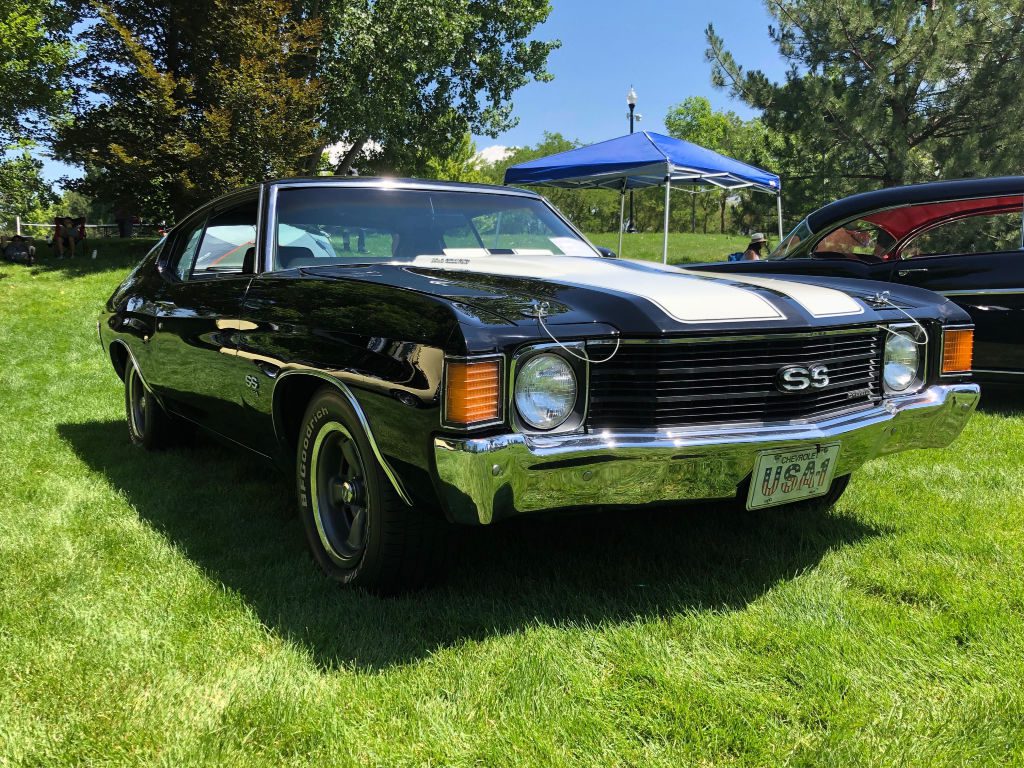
883 298
540 309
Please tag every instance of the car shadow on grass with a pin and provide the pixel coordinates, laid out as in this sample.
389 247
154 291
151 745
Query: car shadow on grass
1001 400
234 518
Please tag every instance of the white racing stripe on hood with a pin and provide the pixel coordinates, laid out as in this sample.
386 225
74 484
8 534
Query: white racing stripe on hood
688 299
818 301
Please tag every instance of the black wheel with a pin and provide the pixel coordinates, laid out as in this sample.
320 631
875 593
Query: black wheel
149 425
359 530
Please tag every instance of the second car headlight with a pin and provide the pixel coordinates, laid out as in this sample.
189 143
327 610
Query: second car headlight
902 361
545 391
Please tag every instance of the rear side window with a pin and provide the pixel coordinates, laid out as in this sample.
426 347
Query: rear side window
975 234
229 236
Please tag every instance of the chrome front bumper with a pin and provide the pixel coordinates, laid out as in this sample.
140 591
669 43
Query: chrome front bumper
485 479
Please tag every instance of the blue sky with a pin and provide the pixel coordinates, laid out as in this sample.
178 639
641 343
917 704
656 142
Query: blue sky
607 45
655 45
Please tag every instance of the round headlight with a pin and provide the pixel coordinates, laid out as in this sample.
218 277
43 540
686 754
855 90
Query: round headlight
545 391
901 362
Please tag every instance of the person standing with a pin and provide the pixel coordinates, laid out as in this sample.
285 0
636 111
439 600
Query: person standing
756 245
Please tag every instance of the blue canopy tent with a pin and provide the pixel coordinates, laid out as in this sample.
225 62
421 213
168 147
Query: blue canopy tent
641 160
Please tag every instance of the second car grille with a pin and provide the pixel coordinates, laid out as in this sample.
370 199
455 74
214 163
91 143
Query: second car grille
730 380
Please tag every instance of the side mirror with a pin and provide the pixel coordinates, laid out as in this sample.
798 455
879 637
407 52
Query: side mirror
607 253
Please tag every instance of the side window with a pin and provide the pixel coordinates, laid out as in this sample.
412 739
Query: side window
184 249
861 240
975 234
230 234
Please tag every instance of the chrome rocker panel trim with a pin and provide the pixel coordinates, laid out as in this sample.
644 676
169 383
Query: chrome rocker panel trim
484 479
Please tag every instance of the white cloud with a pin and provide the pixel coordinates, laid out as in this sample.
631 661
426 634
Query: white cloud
337 151
493 154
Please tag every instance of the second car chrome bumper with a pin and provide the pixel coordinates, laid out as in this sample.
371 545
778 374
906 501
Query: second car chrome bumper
484 479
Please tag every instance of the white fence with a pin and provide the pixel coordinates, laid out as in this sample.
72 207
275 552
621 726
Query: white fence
101 230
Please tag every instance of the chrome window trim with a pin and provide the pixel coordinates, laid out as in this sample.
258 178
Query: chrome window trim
582 390
984 291
444 391
409 184
269 255
955 374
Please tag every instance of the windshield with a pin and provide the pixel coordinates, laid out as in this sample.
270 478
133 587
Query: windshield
800 232
343 225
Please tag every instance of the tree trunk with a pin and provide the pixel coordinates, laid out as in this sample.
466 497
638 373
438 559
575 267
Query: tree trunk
721 213
693 212
312 162
345 164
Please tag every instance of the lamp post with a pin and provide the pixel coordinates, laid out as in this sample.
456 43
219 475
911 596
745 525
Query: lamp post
631 103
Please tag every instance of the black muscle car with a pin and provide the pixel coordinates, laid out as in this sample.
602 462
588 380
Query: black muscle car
963 239
420 353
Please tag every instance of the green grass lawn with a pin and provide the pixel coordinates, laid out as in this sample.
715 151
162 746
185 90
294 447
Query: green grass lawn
682 246
161 609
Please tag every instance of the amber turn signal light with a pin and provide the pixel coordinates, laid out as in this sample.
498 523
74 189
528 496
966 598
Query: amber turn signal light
957 350
473 392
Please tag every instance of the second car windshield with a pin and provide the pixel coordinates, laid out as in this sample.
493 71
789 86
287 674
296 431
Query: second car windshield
800 233
321 225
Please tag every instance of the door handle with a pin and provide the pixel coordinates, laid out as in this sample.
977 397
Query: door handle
905 272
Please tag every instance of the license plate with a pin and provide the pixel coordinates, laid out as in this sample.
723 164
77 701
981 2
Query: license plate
792 474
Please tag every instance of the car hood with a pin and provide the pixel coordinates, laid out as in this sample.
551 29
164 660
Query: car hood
632 296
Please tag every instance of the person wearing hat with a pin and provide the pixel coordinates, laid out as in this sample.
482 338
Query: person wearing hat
19 249
753 252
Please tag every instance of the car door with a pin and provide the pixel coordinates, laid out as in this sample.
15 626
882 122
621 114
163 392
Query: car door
976 261
193 346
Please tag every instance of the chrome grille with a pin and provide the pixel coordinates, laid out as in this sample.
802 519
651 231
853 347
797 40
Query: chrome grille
649 385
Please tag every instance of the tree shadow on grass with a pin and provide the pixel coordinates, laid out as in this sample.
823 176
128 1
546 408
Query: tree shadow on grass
233 517
111 253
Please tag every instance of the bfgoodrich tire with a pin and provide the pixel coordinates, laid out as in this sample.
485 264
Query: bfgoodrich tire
359 530
149 426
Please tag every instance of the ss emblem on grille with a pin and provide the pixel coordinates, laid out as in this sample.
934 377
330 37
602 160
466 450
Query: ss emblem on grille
252 383
795 378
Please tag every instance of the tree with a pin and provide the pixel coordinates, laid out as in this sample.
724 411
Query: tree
460 165
886 92
749 141
33 56
190 99
414 76
24 191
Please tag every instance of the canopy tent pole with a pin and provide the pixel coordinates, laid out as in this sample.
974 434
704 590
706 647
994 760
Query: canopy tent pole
622 214
778 206
668 191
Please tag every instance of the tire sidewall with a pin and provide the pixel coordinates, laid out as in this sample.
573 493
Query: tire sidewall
132 380
329 406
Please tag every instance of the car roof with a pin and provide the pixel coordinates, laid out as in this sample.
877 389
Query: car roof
400 183
866 202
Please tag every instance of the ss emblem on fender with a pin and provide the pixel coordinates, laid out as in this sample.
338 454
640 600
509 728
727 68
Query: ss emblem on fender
252 383
796 378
